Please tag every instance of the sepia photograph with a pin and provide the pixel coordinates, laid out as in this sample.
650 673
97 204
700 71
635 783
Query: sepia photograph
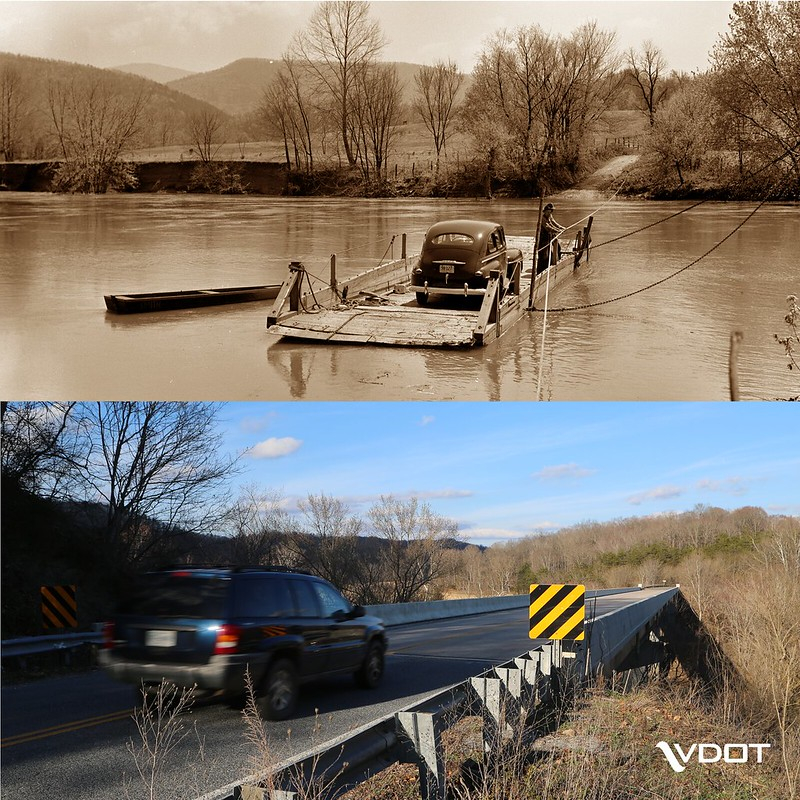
371 381
400 600
484 201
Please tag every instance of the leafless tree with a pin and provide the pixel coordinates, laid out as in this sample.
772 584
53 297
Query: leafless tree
437 88
534 97
376 113
93 125
38 446
413 535
12 110
339 42
157 468
646 68
207 130
287 110
327 542
505 98
260 526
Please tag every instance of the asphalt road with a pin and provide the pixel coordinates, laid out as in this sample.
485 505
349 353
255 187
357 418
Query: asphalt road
71 737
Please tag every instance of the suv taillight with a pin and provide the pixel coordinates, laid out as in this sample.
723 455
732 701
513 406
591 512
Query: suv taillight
227 639
109 630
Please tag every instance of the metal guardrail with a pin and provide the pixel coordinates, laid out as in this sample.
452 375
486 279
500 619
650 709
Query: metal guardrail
32 645
539 678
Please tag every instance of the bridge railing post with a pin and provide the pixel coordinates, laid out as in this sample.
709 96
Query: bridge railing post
424 732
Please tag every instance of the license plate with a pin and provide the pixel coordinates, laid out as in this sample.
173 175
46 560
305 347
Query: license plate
161 638
448 268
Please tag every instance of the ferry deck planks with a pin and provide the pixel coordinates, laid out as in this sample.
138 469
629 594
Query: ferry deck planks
394 325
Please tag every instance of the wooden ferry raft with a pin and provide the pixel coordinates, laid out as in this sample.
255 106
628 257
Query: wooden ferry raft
378 307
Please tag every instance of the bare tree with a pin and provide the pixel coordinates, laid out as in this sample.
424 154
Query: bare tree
39 446
207 130
414 535
534 97
12 109
259 525
93 125
338 44
286 109
327 544
437 88
646 68
156 467
376 110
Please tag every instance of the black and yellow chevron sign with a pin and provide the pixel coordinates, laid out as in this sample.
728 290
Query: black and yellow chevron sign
59 607
557 611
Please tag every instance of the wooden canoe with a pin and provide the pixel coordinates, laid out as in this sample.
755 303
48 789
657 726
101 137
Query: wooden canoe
191 298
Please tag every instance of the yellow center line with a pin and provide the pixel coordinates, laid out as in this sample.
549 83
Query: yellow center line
66 727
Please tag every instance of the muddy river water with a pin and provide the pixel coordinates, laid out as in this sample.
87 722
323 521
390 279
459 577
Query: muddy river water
60 254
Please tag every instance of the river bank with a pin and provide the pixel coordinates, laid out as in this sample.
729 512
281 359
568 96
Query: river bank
629 174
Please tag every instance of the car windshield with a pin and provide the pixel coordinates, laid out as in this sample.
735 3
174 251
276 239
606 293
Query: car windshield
453 238
177 595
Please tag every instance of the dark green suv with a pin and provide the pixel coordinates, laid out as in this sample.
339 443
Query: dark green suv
206 627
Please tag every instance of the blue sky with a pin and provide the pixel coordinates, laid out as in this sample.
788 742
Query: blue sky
508 470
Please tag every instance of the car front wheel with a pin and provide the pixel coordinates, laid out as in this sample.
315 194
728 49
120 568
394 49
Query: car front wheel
371 672
278 695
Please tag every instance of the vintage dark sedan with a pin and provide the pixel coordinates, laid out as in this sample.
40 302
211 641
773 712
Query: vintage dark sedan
458 256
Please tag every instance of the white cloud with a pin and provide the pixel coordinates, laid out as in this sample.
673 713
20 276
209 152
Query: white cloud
735 486
658 493
275 447
563 471
426 420
490 534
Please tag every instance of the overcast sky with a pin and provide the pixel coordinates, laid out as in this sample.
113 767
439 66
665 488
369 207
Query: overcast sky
201 36
507 470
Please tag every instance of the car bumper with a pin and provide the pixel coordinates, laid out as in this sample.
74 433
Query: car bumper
457 291
220 672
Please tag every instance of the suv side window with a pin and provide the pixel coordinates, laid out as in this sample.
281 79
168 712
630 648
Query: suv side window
260 596
305 600
330 600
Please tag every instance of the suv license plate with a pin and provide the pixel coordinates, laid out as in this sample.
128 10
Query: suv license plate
447 268
161 638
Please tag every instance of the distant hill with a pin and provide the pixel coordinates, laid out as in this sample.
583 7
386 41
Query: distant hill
155 72
235 88
166 118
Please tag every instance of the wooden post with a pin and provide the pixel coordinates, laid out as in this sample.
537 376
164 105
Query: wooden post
403 254
584 239
333 272
587 236
536 249
578 249
733 364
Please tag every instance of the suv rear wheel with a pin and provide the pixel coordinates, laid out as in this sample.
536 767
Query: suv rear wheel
370 673
278 695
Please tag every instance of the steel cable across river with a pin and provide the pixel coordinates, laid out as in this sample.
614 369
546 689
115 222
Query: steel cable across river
60 254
